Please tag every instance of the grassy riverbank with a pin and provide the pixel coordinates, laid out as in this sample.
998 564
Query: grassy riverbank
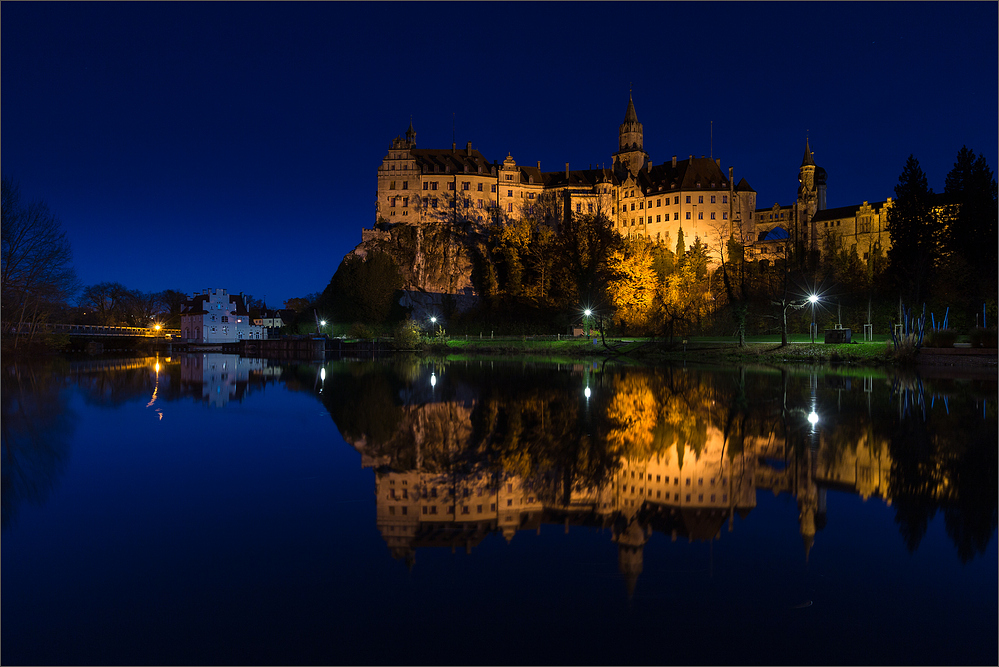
766 350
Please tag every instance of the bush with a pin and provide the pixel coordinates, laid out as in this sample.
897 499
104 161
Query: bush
360 330
406 336
983 337
940 338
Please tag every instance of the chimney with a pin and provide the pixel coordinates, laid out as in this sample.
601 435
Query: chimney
567 170
730 185
468 148
718 161
539 165
691 157
674 161
453 146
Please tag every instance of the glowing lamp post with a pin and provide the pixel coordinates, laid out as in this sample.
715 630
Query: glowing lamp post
587 314
812 298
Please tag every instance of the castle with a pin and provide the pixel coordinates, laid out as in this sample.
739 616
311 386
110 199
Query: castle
640 198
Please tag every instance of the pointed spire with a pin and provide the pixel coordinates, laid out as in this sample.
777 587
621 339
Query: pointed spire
630 116
807 161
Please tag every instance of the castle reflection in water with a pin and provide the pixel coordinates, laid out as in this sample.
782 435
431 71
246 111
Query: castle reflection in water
631 451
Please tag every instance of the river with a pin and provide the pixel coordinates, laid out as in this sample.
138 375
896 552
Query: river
208 508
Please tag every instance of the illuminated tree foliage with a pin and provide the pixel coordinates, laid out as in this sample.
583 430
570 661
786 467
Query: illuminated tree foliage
634 288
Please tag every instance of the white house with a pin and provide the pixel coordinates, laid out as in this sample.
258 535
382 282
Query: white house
215 316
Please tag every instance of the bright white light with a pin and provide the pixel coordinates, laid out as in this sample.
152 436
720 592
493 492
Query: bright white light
587 312
813 298
322 374
433 320
586 392
813 418
322 323
433 380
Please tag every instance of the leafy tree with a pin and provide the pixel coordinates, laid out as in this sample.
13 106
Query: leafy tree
36 276
298 304
633 288
363 289
916 234
586 242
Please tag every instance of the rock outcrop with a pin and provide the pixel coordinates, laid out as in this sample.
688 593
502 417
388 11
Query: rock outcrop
436 262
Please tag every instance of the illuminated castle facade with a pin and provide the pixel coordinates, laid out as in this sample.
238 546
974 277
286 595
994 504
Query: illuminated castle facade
641 198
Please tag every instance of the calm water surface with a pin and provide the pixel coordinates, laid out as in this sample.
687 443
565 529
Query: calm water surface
212 509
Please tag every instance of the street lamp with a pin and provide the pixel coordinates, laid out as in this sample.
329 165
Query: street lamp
812 298
587 314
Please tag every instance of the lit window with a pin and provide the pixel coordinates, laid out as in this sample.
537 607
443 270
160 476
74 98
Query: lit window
725 215
392 185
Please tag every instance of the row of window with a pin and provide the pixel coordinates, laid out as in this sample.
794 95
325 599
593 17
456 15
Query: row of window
676 200
676 480
676 216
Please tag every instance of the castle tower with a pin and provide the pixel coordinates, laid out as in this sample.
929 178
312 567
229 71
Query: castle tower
808 197
630 156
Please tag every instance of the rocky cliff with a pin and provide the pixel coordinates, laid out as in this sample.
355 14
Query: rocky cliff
435 260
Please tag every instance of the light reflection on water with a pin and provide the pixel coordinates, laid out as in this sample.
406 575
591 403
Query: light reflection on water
218 483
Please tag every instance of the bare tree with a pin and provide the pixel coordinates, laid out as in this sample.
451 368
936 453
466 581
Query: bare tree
36 275
111 303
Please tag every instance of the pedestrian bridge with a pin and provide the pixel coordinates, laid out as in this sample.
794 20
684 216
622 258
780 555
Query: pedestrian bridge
96 330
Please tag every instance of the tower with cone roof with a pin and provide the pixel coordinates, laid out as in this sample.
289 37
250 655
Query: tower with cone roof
630 157
811 197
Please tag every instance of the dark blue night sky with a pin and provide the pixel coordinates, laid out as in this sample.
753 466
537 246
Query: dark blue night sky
189 145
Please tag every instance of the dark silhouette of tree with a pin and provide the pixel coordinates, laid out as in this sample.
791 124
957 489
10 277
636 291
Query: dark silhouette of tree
109 303
972 238
916 234
36 276
363 289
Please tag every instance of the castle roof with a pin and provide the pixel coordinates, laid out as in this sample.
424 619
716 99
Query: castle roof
693 173
843 211
577 178
451 161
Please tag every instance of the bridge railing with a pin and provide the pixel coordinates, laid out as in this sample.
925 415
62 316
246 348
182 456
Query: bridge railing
94 330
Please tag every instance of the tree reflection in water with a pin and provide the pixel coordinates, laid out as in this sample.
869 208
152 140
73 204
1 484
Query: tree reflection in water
508 447
36 427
